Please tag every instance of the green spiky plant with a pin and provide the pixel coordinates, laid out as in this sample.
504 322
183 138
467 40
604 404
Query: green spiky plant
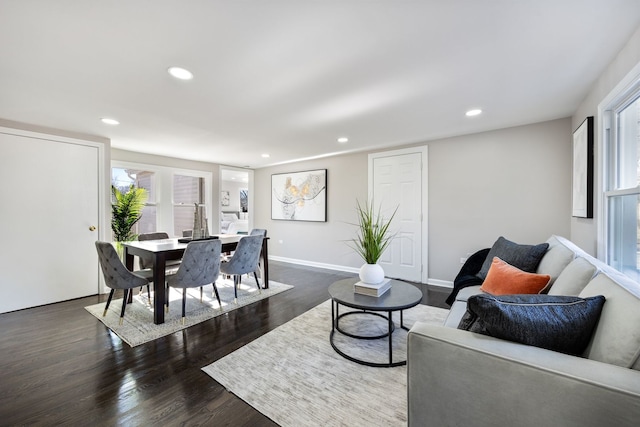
126 210
373 233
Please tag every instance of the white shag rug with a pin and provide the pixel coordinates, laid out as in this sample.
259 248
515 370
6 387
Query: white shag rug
293 376
138 327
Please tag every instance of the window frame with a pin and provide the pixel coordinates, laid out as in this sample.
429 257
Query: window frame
626 93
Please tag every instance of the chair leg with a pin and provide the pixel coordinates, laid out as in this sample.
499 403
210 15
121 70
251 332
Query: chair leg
149 293
257 283
201 293
124 304
235 289
184 302
106 307
215 290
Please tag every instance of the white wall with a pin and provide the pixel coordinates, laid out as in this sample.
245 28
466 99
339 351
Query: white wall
316 242
584 232
514 182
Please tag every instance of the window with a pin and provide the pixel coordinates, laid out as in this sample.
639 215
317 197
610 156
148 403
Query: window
122 178
622 187
172 195
188 191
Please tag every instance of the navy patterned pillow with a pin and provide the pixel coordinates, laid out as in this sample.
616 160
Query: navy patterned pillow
559 323
525 257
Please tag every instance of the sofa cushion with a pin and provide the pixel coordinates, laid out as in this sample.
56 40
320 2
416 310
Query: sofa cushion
559 323
525 257
505 279
557 257
616 339
573 278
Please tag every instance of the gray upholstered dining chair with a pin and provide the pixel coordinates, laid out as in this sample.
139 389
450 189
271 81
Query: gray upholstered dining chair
158 235
258 232
116 275
147 263
200 267
244 260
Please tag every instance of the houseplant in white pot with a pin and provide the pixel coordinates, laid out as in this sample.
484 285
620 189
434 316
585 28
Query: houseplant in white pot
372 239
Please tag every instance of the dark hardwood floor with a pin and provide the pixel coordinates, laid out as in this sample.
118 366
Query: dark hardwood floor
60 366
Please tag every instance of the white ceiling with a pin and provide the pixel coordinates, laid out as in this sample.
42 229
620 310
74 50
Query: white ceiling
289 77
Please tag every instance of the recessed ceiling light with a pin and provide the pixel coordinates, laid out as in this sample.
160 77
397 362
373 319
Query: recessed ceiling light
472 113
266 156
180 73
108 121
343 140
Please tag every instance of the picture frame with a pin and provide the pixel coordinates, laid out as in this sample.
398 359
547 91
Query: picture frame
299 196
582 184
225 198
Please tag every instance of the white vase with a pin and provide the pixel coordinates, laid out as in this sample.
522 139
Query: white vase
371 274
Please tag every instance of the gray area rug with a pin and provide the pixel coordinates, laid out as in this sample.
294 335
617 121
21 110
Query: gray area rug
138 327
293 376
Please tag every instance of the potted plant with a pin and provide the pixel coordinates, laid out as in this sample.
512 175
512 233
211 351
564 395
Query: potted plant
126 210
371 241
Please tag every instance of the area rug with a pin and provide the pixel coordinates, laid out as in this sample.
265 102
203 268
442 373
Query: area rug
138 327
293 376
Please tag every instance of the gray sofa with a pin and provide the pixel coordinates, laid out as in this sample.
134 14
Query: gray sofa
461 378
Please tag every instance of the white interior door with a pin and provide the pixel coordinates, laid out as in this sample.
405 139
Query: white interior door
397 180
50 203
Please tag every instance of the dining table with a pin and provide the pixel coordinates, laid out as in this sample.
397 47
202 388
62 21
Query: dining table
163 250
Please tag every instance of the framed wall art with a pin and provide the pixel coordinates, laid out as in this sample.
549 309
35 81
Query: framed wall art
299 196
225 198
582 196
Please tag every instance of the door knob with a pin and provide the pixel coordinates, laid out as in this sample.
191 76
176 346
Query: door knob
92 228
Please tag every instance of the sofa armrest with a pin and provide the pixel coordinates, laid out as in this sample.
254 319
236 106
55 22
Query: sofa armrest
458 378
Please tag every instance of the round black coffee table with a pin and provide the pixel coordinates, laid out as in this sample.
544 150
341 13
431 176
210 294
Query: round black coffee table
400 297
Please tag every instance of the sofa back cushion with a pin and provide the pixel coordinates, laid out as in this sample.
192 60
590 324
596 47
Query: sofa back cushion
525 257
557 257
573 278
616 339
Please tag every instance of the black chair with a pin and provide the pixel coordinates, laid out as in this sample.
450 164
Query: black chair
244 260
200 267
116 275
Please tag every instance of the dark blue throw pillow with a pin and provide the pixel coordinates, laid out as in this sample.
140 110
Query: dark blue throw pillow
525 257
559 323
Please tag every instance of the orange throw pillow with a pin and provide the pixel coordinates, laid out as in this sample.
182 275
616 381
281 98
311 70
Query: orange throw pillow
505 279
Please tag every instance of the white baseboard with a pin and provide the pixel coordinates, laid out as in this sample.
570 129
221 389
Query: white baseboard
355 270
441 283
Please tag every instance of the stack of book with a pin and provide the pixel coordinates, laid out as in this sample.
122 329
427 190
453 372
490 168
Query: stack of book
372 290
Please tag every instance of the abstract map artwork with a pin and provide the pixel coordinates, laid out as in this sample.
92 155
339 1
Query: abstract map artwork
299 196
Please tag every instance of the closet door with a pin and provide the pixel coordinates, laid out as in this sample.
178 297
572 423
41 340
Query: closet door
398 179
50 195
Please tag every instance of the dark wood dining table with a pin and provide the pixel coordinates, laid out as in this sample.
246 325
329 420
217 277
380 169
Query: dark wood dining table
163 250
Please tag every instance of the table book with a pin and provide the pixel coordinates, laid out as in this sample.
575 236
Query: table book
372 290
